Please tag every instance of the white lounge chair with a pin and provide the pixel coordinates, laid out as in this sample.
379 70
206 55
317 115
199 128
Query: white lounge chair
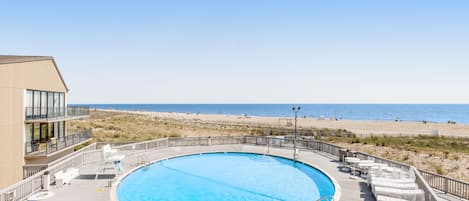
110 155
107 150
402 186
385 198
64 177
410 195
373 179
396 174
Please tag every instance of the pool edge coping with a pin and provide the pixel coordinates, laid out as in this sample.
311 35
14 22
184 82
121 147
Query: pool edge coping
120 177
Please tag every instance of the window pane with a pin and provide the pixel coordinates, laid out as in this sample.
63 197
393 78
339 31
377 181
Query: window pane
50 103
62 104
56 103
27 137
29 98
61 129
28 132
51 130
43 103
44 132
37 103
37 131
56 129
29 103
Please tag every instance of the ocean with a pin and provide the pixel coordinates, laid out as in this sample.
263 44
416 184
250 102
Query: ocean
441 113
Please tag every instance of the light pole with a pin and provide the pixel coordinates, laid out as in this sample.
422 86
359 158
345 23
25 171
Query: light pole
295 110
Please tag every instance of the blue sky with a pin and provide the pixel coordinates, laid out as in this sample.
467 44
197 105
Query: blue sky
395 51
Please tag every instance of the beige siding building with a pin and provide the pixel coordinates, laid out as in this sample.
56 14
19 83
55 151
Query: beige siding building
33 115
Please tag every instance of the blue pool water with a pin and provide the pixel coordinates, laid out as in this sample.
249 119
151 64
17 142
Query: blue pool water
225 176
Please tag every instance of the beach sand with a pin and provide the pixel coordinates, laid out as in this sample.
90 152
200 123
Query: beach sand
361 128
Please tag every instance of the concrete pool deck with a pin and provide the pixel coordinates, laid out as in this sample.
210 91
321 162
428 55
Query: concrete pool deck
86 188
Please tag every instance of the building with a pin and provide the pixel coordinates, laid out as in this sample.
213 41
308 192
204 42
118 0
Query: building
33 116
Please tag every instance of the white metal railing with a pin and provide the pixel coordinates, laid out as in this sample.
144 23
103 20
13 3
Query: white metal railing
283 143
32 169
32 184
446 185
25 188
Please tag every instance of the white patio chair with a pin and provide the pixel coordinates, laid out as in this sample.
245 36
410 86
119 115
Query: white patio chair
112 156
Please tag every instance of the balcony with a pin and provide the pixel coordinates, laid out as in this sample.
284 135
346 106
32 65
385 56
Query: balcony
51 114
54 145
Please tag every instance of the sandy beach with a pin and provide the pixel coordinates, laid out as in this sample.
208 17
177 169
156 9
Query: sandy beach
361 128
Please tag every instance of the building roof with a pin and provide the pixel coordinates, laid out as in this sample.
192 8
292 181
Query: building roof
9 59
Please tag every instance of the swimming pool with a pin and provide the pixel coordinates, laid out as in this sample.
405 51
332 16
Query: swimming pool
225 176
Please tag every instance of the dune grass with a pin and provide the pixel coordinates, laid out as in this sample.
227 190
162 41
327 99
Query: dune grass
420 143
119 126
443 155
439 154
125 127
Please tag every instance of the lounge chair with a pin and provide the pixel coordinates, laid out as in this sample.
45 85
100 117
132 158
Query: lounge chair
64 177
106 149
385 198
410 195
390 180
110 155
402 186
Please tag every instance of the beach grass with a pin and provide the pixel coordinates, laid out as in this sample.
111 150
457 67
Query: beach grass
125 127
420 143
440 154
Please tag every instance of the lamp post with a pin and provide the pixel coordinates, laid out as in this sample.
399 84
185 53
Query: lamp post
295 110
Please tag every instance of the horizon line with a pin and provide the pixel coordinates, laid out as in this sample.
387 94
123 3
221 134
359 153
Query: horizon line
340 103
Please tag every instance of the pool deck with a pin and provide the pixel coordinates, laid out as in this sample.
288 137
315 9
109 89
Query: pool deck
85 188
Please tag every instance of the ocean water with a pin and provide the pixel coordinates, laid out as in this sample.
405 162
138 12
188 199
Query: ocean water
382 112
226 176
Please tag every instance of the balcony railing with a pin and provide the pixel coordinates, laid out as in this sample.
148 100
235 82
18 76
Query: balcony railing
55 113
56 144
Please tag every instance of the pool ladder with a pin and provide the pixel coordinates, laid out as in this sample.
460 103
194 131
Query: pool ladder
326 198
141 160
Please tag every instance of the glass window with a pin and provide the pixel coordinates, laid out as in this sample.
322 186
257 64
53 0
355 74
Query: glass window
37 132
28 137
50 103
44 103
29 98
62 103
29 103
44 132
56 103
56 129
36 103
61 129
51 130
28 132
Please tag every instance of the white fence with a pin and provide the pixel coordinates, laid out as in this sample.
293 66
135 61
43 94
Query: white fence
27 187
